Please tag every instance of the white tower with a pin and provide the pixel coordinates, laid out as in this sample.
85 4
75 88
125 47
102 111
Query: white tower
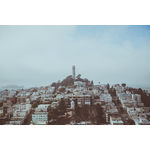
72 104
73 72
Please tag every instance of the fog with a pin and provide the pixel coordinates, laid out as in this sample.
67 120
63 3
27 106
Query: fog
40 55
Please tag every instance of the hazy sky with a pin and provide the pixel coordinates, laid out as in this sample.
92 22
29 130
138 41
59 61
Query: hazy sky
40 55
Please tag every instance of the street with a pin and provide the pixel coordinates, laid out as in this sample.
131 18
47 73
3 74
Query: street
29 118
122 114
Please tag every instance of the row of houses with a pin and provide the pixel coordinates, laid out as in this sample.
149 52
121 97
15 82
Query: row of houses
134 107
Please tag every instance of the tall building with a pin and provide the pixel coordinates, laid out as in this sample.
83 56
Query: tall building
73 72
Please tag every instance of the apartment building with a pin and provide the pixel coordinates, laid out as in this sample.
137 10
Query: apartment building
115 120
39 116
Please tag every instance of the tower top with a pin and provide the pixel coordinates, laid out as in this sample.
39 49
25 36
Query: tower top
73 72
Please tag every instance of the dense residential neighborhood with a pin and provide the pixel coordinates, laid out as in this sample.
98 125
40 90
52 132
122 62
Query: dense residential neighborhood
75 101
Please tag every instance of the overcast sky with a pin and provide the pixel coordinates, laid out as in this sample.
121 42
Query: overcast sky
40 55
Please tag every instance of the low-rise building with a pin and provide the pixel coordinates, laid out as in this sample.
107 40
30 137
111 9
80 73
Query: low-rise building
106 98
1 111
20 113
115 120
42 107
16 120
39 116
137 97
141 121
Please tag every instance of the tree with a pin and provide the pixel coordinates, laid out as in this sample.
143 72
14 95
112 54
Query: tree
77 108
108 86
85 112
121 109
78 76
67 81
96 97
34 105
144 97
131 122
62 105
68 92
62 90
92 82
53 114
112 91
53 84
123 84
86 81
100 114
17 92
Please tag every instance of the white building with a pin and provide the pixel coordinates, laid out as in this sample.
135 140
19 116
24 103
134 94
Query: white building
54 104
42 107
116 120
137 97
141 121
39 116
24 106
20 113
16 120
124 96
79 83
50 90
59 97
72 105
106 98
33 97
95 92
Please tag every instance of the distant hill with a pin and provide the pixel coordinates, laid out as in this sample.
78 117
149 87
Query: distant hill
12 86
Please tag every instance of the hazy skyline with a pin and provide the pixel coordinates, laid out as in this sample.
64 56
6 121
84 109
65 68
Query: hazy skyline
40 55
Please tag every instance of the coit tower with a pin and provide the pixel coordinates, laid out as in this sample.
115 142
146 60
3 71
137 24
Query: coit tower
73 72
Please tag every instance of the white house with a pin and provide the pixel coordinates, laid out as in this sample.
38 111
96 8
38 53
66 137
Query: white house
59 97
20 113
39 116
16 120
116 120
79 83
124 96
95 92
137 97
42 107
54 104
141 121
72 105
106 98
26 107
33 97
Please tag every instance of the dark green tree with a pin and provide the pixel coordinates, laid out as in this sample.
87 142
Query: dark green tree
78 76
100 114
62 105
77 108
131 122
53 84
85 112
123 84
62 90
108 86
